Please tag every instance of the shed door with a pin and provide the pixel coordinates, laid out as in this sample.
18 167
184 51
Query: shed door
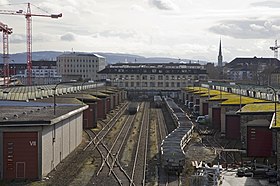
259 141
233 127
216 118
20 169
20 155
205 109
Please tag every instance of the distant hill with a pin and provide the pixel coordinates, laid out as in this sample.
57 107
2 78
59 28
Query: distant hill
110 57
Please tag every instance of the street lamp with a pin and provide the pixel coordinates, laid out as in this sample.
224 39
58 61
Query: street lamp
220 90
54 95
233 83
209 82
275 103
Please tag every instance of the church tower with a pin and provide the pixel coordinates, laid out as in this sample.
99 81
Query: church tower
220 56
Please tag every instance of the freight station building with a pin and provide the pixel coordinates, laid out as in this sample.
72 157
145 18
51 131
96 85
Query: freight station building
34 139
246 115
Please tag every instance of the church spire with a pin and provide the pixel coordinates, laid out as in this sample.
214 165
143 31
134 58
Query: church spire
220 56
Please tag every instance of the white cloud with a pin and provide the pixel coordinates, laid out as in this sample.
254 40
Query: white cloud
4 2
164 4
257 28
270 4
183 28
248 29
17 38
137 8
68 37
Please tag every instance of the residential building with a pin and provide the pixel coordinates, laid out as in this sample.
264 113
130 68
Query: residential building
80 66
43 72
154 76
275 77
252 70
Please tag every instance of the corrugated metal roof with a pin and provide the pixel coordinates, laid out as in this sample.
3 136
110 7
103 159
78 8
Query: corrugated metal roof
36 113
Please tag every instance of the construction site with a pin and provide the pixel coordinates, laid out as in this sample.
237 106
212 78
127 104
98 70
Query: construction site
8 30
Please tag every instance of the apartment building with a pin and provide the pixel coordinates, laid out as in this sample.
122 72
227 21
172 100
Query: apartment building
43 72
80 66
154 76
252 70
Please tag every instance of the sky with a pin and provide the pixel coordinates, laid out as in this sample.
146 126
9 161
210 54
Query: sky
188 29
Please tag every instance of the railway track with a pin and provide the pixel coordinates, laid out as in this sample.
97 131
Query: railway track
164 178
109 162
161 133
110 151
106 128
140 155
104 160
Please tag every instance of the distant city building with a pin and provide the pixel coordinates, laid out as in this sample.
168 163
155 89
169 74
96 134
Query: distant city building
154 76
252 70
275 77
43 72
220 56
80 66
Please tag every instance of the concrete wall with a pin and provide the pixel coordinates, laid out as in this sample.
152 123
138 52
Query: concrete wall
59 140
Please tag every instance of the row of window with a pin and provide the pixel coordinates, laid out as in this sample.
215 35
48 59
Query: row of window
151 84
46 70
78 66
78 71
78 60
153 77
154 71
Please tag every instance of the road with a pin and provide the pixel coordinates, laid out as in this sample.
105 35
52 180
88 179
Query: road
230 179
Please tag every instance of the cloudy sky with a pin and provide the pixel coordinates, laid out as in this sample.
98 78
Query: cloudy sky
167 28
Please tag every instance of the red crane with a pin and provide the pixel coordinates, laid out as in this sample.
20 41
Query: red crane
28 16
6 31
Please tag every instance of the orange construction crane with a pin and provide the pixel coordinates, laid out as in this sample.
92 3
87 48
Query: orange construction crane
28 16
6 31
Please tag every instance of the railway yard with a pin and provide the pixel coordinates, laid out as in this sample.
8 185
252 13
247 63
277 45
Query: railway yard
125 149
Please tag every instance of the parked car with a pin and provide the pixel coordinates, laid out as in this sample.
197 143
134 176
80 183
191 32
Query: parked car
244 172
202 119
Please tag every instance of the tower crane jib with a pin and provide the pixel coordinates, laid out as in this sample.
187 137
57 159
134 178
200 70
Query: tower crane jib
28 16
